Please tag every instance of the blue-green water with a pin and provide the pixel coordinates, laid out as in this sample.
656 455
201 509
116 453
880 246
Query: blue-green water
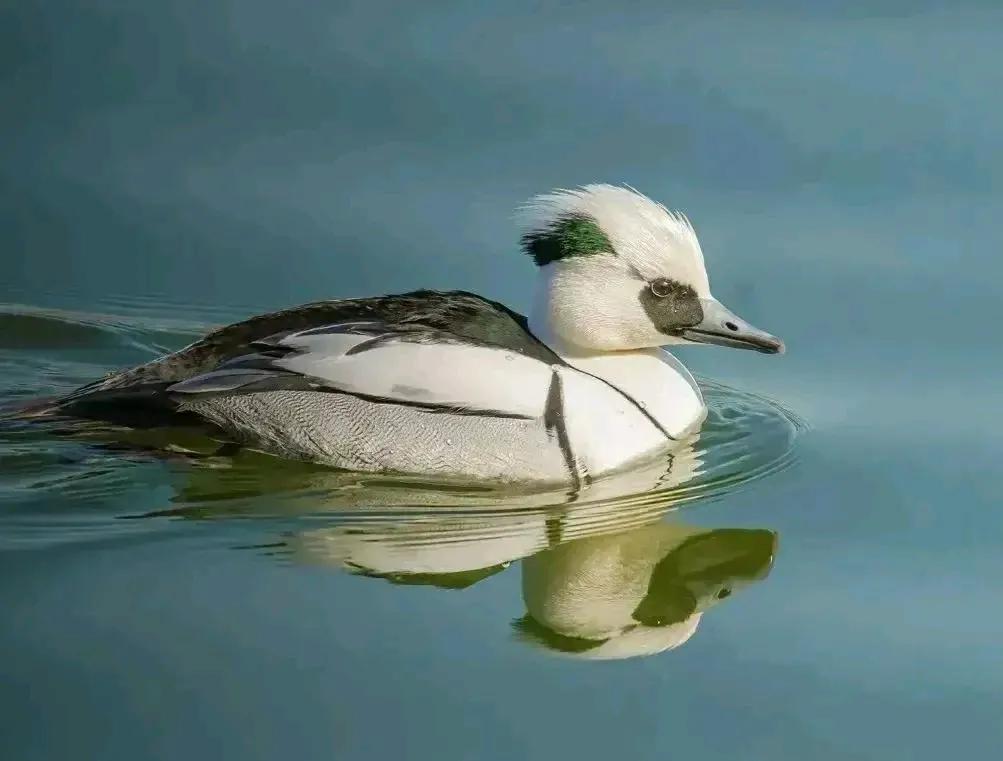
172 167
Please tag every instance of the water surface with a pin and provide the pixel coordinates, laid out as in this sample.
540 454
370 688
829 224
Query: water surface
815 577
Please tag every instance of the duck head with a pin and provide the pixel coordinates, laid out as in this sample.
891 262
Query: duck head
620 272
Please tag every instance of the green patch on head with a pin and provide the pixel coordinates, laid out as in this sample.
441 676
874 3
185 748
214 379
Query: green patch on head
567 237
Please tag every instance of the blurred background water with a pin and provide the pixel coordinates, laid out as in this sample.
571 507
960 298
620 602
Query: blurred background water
176 165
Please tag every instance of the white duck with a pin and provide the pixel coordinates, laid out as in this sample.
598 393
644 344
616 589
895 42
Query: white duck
454 385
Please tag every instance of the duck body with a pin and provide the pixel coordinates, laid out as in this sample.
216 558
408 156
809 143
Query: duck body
455 385
432 383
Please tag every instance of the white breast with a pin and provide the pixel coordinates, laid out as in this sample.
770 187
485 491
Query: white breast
606 428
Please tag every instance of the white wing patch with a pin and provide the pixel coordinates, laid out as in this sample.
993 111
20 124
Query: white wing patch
438 371
464 376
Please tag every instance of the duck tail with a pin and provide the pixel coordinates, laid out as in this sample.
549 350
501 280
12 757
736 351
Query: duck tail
46 407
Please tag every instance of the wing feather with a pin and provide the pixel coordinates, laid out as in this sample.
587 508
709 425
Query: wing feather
407 364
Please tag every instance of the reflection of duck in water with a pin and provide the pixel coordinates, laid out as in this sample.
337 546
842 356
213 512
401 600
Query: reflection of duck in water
427 539
638 592
631 592
601 579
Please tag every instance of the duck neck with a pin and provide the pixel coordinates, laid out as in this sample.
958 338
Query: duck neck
652 378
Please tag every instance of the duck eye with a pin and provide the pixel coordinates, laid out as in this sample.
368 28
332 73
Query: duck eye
661 287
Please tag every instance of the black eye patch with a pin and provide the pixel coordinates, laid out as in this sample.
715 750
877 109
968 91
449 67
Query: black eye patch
671 306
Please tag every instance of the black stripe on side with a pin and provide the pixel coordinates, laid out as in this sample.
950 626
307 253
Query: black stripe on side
441 409
284 380
640 408
553 419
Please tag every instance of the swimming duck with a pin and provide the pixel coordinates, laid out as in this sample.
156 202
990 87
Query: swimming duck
451 384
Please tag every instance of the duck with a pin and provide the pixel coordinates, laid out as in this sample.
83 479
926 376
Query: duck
453 385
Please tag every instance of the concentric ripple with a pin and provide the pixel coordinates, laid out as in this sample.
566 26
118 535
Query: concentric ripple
56 488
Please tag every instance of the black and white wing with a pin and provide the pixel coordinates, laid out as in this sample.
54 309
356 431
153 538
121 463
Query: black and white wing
440 350
409 364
